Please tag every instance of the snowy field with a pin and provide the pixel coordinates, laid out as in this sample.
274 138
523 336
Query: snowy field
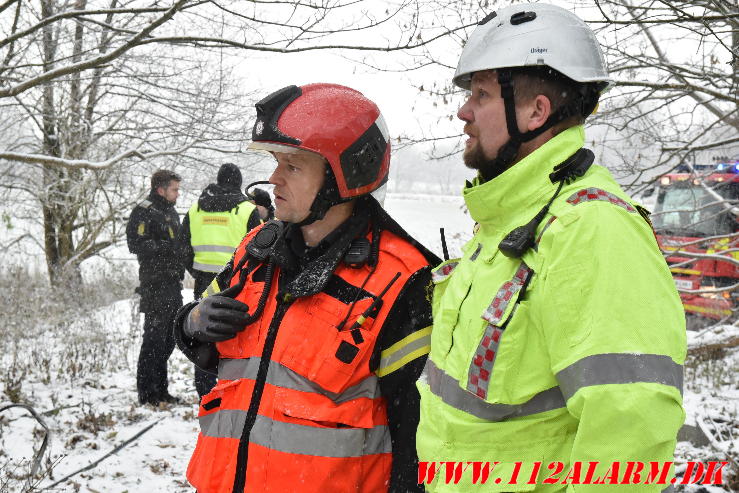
84 390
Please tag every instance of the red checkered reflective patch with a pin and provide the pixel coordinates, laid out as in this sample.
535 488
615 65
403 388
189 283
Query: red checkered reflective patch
497 307
589 194
481 367
444 271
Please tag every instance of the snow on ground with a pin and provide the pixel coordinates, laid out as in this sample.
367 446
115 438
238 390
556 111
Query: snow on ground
96 412
712 335
422 216
86 388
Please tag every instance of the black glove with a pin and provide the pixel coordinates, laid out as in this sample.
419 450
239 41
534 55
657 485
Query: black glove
216 318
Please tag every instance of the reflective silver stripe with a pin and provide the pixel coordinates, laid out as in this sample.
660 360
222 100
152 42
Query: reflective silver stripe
213 248
298 439
448 389
405 350
227 423
281 376
324 442
207 267
618 368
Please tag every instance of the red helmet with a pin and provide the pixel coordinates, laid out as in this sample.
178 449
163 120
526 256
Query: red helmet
334 121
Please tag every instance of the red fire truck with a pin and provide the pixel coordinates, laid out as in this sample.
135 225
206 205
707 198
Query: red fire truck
696 216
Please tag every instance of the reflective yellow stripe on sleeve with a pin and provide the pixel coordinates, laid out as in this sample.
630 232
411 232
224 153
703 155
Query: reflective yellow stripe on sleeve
212 288
405 350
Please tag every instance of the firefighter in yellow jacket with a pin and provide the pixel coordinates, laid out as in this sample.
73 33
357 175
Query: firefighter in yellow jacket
211 230
558 335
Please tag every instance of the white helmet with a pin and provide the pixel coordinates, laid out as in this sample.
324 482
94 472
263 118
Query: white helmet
534 34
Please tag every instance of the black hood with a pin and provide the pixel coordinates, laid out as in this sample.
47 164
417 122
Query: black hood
216 198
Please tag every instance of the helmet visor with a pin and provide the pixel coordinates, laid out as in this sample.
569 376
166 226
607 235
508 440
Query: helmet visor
275 147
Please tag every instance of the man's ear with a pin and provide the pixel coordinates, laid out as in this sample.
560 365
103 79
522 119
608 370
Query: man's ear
536 112
161 191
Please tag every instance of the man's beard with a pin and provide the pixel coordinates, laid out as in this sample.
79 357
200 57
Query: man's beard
488 168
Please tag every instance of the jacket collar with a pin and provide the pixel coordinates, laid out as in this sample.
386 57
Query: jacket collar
316 265
159 202
216 198
512 196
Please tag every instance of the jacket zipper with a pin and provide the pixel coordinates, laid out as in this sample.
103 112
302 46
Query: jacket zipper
283 303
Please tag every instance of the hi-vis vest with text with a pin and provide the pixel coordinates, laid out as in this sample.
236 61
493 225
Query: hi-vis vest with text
297 407
215 235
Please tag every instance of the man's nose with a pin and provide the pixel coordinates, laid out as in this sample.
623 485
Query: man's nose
274 178
464 113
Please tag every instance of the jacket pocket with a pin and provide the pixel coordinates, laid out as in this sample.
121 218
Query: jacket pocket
317 349
322 411
344 361
510 475
493 359
573 317
221 416
332 448
445 310
513 381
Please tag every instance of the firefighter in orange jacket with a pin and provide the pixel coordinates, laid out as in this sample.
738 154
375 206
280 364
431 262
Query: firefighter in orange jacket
321 324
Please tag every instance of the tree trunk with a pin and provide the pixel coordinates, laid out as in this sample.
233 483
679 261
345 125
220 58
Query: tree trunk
58 213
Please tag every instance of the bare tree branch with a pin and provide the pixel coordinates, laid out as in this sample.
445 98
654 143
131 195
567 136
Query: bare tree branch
210 41
75 14
85 164
96 61
703 147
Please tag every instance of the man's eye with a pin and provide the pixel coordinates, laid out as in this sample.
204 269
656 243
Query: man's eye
290 167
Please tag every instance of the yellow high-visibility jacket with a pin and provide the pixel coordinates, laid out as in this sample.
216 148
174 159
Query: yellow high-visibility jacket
571 353
215 235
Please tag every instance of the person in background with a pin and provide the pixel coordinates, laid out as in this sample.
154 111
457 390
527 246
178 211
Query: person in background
264 204
151 235
211 230
319 326
559 336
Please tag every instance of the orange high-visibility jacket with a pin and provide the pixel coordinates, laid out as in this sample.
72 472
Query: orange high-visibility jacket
297 407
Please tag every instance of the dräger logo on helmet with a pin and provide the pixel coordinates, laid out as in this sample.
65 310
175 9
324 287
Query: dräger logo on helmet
259 128
539 50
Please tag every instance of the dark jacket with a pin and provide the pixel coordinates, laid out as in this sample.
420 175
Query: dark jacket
410 313
214 198
151 235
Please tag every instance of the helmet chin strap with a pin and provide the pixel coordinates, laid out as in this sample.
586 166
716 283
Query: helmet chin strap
583 104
